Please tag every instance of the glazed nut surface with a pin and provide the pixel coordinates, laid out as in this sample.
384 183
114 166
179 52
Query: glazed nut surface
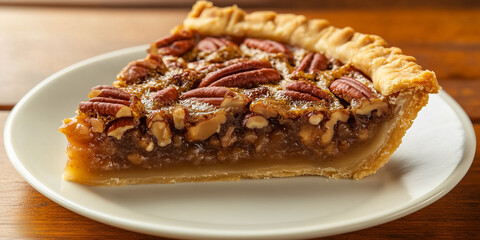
140 68
233 69
268 46
177 48
107 101
208 92
301 90
106 109
249 79
312 62
165 96
176 44
349 89
212 95
213 44
108 91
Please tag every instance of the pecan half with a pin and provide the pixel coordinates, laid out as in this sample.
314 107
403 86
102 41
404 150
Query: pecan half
215 66
246 74
105 108
312 62
304 91
213 44
120 126
177 48
298 96
249 79
165 96
233 69
110 100
141 68
166 41
176 44
108 91
212 95
349 89
107 100
268 46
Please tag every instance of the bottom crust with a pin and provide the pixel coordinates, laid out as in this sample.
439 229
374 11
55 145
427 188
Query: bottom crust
364 161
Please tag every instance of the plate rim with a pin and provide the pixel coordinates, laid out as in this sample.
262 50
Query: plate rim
170 230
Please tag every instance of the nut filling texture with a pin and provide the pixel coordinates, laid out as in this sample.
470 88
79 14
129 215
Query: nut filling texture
201 100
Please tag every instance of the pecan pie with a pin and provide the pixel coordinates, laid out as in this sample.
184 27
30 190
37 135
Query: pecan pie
231 95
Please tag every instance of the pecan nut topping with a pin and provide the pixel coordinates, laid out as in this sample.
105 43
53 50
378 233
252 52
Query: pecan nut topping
304 91
349 89
141 68
105 108
175 44
108 91
233 69
211 95
312 62
108 101
245 74
249 79
165 96
268 46
213 44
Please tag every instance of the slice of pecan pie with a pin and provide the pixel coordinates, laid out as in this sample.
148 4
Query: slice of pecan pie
231 95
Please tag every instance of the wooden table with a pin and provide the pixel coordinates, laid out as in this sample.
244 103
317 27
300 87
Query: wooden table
37 41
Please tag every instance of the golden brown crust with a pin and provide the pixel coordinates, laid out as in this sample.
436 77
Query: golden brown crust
402 124
390 70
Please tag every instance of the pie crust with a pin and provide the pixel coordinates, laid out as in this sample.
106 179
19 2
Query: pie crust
389 69
152 94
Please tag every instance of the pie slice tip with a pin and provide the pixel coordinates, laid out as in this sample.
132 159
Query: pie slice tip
231 95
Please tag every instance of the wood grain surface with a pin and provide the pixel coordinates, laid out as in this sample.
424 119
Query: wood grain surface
35 42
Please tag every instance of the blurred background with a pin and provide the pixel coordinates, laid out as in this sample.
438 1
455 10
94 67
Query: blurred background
41 37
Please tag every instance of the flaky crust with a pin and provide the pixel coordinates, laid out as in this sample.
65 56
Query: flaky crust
390 70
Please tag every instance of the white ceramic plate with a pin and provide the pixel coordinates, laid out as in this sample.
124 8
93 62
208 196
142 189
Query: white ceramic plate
436 153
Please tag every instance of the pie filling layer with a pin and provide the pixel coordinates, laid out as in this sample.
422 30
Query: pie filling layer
204 108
